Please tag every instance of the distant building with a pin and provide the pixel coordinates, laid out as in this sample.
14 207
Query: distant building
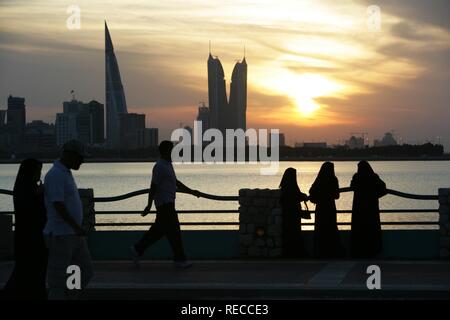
203 116
322 145
224 114
132 128
191 131
238 97
387 140
355 142
148 138
40 136
66 128
16 120
281 139
81 121
97 122
115 95
2 118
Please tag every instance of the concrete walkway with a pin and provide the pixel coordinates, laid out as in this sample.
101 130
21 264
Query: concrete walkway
274 279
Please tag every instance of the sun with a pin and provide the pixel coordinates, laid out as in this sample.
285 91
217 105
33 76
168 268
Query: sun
308 87
303 89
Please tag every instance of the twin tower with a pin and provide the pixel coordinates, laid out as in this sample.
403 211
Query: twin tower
223 113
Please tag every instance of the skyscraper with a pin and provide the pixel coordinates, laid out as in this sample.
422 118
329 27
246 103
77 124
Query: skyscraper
82 121
217 94
203 116
97 122
115 96
2 118
16 119
131 125
238 96
223 114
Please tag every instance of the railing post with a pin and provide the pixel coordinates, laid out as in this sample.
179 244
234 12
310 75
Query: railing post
444 222
259 223
87 199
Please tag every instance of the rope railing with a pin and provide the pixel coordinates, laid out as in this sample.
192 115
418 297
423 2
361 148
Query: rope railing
235 211
236 198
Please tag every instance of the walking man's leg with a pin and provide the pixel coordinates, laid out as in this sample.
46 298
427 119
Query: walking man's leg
60 250
82 258
155 233
173 232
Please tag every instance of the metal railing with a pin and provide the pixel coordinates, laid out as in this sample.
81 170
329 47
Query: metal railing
236 198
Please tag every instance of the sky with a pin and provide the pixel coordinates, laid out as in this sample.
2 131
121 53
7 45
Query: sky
318 70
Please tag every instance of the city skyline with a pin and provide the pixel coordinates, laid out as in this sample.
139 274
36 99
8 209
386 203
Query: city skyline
351 79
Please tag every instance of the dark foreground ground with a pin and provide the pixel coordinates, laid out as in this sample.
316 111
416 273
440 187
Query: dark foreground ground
238 279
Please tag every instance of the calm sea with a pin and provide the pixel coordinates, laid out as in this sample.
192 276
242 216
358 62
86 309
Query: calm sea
109 179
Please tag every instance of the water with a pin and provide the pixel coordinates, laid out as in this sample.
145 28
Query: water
109 179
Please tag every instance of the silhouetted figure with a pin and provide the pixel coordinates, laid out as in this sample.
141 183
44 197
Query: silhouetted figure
163 188
30 252
65 236
365 239
324 192
291 198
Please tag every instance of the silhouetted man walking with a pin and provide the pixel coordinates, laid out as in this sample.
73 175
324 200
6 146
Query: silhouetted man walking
164 186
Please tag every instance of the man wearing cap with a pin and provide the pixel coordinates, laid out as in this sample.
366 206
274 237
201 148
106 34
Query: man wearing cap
65 237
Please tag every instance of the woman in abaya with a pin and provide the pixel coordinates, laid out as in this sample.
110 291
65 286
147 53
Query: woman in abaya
365 237
28 277
291 198
324 192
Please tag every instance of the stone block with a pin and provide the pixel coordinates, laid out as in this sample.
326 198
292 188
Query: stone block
444 210
275 252
444 253
278 241
242 228
244 218
251 228
276 212
443 200
443 219
270 243
251 193
264 252
259 242
445 242
246 239
254 251
243 193
273 230
260 219
276 194
278 220
260 202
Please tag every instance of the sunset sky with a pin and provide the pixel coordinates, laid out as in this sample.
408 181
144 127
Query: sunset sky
317 70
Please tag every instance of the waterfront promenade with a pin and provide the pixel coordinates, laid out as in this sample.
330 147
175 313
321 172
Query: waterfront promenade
265 279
